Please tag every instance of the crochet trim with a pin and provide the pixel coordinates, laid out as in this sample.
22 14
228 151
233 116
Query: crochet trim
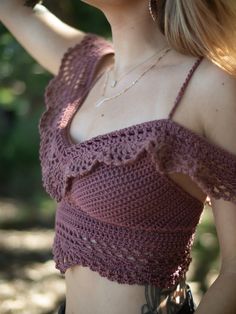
171 146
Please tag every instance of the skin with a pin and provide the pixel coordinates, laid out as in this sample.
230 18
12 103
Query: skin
208 108
132 30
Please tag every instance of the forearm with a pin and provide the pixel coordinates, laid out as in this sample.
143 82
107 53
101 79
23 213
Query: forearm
41 33
220 297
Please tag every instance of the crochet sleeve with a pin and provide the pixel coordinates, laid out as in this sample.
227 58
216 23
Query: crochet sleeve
212 167
75 70
63 91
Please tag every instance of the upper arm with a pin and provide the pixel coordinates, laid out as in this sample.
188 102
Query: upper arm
56 37
220 127
43 35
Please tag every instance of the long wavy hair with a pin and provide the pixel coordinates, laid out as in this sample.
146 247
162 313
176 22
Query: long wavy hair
197 27
201 28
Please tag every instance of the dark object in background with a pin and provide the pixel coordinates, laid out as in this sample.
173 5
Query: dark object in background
32 3
7 121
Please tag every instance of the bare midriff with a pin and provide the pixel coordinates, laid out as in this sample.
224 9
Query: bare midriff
87 292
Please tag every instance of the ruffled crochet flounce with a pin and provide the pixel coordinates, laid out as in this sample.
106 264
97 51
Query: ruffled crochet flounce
171 147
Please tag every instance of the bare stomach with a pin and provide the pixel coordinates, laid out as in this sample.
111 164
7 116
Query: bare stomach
87 292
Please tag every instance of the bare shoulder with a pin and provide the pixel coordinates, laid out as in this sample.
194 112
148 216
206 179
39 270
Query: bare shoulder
217 94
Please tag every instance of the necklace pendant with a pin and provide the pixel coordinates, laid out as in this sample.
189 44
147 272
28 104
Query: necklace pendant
113 83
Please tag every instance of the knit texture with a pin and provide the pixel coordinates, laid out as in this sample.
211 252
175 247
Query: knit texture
118 212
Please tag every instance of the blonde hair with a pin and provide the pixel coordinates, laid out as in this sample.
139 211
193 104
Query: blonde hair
201 28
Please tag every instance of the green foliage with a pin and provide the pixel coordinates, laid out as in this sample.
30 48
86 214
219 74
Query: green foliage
206 251
80 15
21 103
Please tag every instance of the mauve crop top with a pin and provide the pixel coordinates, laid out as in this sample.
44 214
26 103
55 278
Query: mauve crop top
118 212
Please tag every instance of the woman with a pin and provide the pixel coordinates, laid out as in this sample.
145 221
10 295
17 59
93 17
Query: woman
136 134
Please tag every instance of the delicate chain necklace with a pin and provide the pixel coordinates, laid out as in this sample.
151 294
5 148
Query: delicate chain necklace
115 81
101 101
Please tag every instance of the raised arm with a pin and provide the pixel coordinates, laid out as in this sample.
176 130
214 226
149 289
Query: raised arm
41 33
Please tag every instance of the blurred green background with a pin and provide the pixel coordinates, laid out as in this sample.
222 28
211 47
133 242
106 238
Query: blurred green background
27 274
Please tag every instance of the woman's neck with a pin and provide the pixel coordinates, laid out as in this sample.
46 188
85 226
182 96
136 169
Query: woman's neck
135 35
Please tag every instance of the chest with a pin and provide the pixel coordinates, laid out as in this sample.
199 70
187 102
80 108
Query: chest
151 97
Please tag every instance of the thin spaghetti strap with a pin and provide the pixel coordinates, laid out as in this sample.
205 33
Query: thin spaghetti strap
184 86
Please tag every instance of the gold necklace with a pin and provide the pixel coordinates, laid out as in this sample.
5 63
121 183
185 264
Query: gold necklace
115 81
101 101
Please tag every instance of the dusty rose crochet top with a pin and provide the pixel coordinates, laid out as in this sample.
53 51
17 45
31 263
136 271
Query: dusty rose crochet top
118 213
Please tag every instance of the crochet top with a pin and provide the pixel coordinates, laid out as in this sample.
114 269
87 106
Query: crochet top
118 212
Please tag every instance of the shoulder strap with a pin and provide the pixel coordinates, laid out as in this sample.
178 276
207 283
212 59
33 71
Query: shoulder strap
184 86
